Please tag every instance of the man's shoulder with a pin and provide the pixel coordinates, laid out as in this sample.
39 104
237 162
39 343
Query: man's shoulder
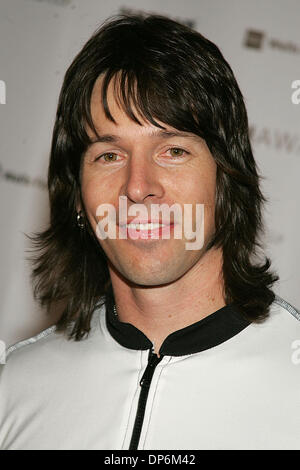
285 307
26 362
275 337
50 344
283 315
31 344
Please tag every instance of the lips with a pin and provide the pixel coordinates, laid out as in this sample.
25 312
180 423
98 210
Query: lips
144 230
144 222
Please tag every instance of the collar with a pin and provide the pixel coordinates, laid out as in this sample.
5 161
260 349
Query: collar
207 333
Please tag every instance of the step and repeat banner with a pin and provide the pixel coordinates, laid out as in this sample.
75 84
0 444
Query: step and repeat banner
38 40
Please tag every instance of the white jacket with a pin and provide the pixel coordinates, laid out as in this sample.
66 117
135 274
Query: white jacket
220 384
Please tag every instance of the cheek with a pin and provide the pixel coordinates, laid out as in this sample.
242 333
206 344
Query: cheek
200 188
90 197
206 185
197 189
95 191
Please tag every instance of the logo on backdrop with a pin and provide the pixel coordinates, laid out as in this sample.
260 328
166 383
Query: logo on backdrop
21 178
296 94
259 40
2 92
254 39
277 139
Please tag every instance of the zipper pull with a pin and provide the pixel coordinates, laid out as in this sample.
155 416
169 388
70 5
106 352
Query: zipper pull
149 371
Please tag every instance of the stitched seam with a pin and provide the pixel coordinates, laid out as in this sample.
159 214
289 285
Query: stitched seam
279 301
33 339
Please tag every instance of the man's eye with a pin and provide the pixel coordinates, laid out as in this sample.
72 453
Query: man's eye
177 152
108 157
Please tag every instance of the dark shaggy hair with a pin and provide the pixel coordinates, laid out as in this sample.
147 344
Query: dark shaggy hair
171 73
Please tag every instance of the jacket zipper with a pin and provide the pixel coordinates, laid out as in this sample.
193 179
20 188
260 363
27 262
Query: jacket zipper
145 383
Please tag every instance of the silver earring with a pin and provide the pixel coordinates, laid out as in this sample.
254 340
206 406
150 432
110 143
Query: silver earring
115 311
80 220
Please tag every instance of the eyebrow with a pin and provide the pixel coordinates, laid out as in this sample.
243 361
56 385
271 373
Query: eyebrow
110 138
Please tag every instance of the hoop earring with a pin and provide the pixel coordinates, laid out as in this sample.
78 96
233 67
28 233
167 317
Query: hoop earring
80 220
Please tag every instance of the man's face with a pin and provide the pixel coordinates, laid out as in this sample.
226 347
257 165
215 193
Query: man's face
147 169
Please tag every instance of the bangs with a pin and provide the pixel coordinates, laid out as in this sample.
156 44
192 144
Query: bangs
143 97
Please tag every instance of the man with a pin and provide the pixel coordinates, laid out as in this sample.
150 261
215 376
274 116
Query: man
177 346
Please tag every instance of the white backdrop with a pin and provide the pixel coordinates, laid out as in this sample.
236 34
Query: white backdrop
39 38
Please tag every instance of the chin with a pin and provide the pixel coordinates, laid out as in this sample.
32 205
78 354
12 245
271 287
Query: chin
142 279
151 278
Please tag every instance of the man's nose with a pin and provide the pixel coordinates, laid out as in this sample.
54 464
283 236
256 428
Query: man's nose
142 180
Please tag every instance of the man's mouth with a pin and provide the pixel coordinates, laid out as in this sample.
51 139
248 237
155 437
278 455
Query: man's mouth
146 230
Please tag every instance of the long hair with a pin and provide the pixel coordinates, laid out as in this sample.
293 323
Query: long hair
171 73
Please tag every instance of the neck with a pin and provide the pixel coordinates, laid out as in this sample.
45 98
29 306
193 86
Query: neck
158 311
